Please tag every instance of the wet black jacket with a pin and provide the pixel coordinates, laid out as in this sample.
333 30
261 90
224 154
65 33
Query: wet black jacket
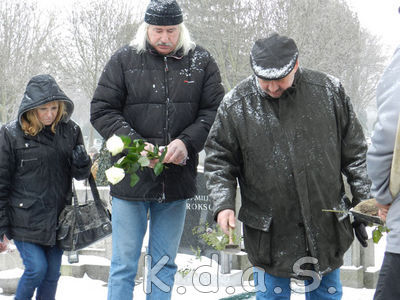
36 171
159 99
289 163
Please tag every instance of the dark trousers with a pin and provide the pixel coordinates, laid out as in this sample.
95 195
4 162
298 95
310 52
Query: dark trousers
388 287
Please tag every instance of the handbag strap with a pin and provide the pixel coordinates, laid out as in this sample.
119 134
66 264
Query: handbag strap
101 210
93 188
394 182
86 190
75 201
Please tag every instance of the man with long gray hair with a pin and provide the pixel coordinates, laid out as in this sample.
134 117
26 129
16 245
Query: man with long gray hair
164 89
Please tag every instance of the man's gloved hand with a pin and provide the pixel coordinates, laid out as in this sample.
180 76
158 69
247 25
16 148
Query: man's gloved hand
360 232
79 156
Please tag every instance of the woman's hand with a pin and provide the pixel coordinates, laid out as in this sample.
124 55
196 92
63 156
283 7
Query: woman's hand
4 244
383 210
79 156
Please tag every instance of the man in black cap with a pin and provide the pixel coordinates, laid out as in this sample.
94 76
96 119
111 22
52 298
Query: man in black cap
166 90
287 134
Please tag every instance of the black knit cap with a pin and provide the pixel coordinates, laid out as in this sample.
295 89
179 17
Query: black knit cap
273 58
163 13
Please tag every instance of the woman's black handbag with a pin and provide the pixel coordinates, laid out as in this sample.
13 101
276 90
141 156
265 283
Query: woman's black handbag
80 225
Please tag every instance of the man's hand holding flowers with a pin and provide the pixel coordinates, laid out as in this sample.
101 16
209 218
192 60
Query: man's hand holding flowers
177 153
139 155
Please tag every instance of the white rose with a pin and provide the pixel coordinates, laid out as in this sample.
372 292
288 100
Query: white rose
115 175
115 145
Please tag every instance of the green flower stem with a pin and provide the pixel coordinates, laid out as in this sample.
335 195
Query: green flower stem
335 211
134 160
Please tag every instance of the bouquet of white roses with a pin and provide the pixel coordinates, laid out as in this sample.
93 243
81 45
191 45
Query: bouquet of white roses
133 160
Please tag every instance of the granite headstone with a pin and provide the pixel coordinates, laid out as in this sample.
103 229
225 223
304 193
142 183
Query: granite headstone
198 213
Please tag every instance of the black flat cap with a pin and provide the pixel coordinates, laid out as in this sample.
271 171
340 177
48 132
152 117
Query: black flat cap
273 58
163 13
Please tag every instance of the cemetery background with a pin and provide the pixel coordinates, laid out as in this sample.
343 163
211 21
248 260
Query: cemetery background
197 274
89 276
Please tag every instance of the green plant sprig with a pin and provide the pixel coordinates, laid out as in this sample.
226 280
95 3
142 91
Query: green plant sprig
378 232
215 237
134 161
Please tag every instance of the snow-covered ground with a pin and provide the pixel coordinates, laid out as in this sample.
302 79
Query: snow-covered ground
89 289
86 288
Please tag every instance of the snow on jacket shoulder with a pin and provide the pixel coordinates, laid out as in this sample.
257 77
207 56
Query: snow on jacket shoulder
159 99
289 167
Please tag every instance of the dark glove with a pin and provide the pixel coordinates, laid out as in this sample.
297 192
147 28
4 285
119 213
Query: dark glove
360 232
79 156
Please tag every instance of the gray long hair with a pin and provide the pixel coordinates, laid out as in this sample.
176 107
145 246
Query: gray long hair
185 42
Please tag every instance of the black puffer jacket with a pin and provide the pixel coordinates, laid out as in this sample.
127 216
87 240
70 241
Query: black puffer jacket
289 168
159 99
36 171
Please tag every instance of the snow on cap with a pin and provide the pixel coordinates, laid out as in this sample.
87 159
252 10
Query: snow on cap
273 58
163 13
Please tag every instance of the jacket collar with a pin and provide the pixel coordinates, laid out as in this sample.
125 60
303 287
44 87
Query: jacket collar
296 81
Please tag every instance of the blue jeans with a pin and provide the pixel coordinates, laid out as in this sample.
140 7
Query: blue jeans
42 271
129 221
277 288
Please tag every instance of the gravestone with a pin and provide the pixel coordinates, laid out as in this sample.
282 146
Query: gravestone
198 213
359 268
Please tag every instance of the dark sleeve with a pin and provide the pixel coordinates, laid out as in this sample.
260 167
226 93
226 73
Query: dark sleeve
354 151
222 163
7 163
83 172
195 135
106 110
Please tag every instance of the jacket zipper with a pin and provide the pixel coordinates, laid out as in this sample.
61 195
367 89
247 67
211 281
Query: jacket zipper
166 129
27 160
167 138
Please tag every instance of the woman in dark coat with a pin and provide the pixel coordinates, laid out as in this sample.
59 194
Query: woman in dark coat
40 153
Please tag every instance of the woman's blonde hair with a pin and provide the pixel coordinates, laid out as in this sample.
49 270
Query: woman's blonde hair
31 124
